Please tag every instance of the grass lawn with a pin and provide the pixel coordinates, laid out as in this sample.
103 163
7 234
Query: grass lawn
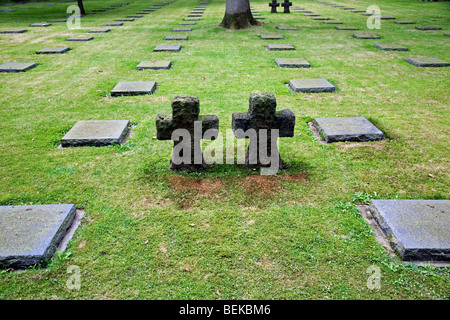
225 233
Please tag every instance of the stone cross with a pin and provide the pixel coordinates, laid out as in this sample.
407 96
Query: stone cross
186 127
286 6
262 124
274 4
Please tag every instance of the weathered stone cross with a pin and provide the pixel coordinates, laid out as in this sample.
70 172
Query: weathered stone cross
286 6
262 124
186 127
274 4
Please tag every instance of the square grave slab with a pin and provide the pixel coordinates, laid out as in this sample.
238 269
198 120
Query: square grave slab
419 230
167 47
311 85
390 47
186 24
133 88
364 35
428 28
271 36
404 22
280 46
286 28
427 62
347 129
292 63
30 234
96 133
17 66
98 30
387 18
176 37
125 19
321 18
40 24
114 24
53 50
14 31
80 38
191 19
182 29
346 28
154 65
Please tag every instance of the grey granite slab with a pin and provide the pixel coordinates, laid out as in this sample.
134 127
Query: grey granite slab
167 47
30 234
96 133
280 46
390 47
292 63
154 65
419 230
311 85
132 88
427 62
17 66
53 50
347 129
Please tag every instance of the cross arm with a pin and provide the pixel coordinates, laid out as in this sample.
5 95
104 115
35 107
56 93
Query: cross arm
285 122
209 122
240 120
164 127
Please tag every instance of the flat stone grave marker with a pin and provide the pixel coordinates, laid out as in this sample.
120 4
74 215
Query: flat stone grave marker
271 36
186 115
99 10
191 19
332 22
280 46
144 12
263 115
259 18
358 11
80 38
178 37
427 62
96 133
53 50
292 63
447 34
30 234
114 24
194 15
304 11
311 15
348 8
428 28
125 19
346 28
167 47
387 18
186 24
390 47
14 31
149 10
135 16
133 88
17 66
59 20
404 22
40 24
347 129
286 28
104 30
419 230
182 29
364 35
311 85
7 10
154 65
321 18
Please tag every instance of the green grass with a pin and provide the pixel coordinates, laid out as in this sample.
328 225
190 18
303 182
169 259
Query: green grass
240 235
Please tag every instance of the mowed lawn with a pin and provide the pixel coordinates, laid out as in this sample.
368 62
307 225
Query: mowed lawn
227 232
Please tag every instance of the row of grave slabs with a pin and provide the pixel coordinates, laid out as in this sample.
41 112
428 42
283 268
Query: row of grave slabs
417 230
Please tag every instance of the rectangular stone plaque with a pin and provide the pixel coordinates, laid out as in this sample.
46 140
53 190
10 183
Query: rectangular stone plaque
419 230
114 24
311 85
364 35
154 65
31 233
390 47
80 38
53 50
133 88
167 47
40 24
280 46
182 29
271 36
96 133
17 66
105 30
292 63
14 31
347 129
427 62
177 37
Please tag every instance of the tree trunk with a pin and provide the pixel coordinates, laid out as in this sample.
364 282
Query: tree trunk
80 5
238 15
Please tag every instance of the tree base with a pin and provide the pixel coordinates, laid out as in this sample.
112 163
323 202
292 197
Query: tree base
239 21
